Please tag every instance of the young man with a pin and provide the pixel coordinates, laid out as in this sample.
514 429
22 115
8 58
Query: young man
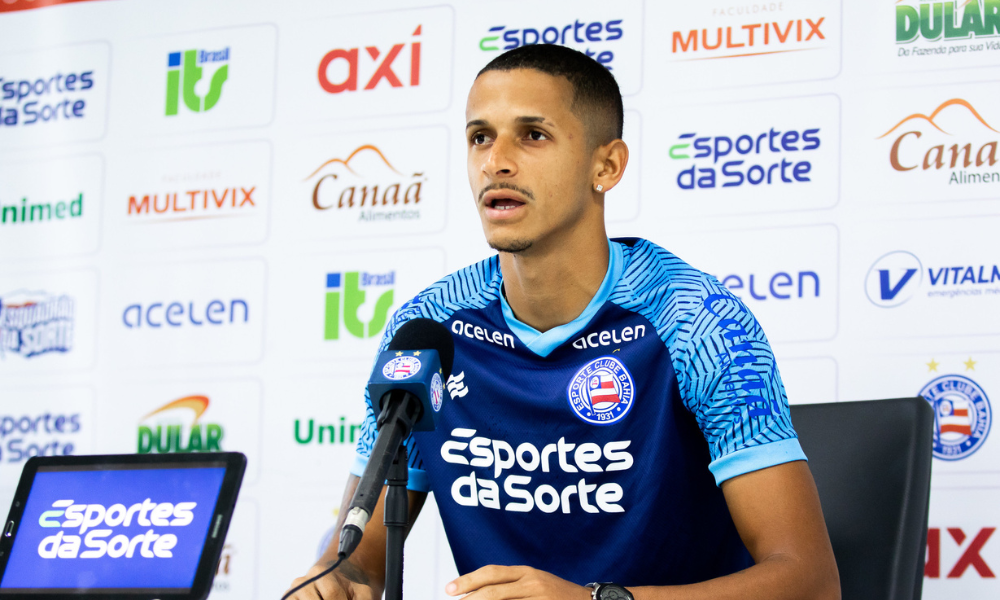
619 416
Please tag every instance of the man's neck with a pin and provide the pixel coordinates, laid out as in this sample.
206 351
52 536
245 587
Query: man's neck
549 287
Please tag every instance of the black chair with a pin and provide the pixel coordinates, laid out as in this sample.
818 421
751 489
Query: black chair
872 465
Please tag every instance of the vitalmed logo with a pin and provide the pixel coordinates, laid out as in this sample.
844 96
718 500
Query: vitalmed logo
953 144
968 21
176 427
185 70
899 276
367 184
350 290
341 69
34 323
772 157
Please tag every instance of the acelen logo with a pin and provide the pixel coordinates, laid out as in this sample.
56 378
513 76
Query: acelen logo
192 314
340 70
167 429
970 545
748 39
947 21
771 157
184 71
352 287
35 323
371 187
954 143
779 286
590 37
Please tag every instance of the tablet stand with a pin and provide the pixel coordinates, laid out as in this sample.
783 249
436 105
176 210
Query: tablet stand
396 518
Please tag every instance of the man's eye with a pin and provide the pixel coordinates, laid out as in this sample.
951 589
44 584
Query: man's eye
537 136
478 139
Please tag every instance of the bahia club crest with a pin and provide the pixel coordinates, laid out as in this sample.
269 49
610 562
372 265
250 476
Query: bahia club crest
962 416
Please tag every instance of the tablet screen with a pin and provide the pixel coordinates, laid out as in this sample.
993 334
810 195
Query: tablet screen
114 528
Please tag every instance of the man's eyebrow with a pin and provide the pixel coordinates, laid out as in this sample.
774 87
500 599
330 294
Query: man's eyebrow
475 123
528 120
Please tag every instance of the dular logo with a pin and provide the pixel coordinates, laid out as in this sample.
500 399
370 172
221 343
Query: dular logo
367 184
970 20
953 142
35 323
894 279
168 429
340 69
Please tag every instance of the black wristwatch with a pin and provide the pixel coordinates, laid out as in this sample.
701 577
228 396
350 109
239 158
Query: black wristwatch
609 591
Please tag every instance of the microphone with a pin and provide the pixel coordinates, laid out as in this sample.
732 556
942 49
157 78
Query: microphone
408 381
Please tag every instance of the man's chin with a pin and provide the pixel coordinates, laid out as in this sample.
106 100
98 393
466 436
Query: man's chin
513 246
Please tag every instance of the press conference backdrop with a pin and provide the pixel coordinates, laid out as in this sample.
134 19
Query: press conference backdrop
209 210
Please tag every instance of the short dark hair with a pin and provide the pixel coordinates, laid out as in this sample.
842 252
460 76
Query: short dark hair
596 97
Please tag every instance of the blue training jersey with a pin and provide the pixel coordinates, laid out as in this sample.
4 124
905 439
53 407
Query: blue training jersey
594 450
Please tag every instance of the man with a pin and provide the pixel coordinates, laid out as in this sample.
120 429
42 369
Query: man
617 415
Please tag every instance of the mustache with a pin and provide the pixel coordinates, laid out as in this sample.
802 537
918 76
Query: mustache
503 185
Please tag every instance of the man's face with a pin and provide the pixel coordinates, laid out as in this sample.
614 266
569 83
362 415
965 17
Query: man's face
529 159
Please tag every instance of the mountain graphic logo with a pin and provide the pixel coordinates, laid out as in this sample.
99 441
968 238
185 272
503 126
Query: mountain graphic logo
937 111
365 178
184 71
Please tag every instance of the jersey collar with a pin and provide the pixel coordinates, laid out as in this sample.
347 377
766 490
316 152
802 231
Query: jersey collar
543 344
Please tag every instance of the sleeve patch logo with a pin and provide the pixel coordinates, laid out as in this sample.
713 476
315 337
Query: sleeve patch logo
601 392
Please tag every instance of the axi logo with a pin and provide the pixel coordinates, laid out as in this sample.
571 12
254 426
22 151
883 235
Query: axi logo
581 35
71 208
946 21
749 39
46 99
927 143
194 204
341 69
35 323
352 286
763 158
184 71
166 430
971 547
374 184
897 276
341 432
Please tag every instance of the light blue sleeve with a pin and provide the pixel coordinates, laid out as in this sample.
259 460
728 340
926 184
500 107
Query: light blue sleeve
728 379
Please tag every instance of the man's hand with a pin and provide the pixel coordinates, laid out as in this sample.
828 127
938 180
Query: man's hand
494 582
346 582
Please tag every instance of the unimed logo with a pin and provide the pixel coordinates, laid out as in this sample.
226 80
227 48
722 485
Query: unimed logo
313 432
969 544
167 429
32 211
344 69
953 142
185 70
350 290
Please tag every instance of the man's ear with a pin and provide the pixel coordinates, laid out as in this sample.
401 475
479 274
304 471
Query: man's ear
609 165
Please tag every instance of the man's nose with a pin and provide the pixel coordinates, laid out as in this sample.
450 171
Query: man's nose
500 159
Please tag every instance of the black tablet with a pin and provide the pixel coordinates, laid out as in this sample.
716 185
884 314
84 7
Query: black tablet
127 527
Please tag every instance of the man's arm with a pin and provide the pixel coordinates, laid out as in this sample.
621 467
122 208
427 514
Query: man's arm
777 513
362 575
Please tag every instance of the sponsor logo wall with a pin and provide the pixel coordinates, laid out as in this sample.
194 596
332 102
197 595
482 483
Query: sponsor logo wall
208 215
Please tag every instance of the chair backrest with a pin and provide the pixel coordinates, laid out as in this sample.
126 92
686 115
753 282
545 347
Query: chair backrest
872 465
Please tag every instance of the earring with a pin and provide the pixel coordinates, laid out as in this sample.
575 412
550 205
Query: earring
599 187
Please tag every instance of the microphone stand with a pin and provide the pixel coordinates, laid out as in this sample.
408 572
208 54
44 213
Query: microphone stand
396 519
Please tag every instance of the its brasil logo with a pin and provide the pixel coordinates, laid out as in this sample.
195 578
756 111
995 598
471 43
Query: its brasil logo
184 71
167 428
351 287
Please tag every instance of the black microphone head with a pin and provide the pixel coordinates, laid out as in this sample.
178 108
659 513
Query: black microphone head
426 334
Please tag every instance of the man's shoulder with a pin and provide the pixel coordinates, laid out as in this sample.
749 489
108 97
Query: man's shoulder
472 287
655 276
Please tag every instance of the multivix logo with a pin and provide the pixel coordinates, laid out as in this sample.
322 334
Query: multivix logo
893 279
185 70
351 289
170 429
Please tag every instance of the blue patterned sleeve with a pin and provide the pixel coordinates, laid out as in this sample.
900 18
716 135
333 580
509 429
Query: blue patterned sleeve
418 480
729 380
